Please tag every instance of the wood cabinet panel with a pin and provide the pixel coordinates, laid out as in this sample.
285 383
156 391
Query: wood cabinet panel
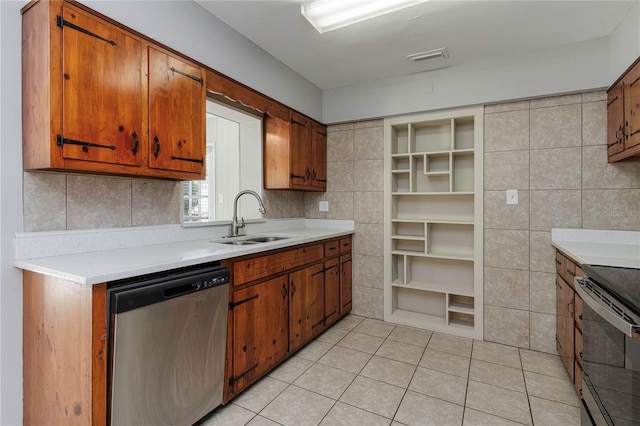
260 330
176 113
331 291
346 283
623 115
306 305
260 267
318 156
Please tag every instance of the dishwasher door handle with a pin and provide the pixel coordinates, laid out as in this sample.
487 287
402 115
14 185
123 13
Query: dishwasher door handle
172 292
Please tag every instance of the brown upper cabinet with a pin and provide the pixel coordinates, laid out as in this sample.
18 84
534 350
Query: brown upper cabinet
100 99
623 115
295 154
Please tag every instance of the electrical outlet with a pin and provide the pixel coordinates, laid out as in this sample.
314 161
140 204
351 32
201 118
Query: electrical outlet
324 206
512 196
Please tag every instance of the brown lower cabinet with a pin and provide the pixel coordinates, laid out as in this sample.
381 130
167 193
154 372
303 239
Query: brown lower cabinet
279 302
65 328
569 319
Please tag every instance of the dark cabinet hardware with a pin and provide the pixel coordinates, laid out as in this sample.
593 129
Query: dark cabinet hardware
293 288
558 262
284 291
192 77
61 141
298 123
570 272
330 315
157 142
193 160
234 380
609 145
635 81
134 150
321 322
612 101
296 176
62 23
321 271
321 133
634 133
234 304
558 285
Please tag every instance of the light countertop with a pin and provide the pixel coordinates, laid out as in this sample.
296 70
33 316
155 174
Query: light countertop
599 247
126 260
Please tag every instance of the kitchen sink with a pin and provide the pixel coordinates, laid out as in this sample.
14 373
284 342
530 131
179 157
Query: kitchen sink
250 240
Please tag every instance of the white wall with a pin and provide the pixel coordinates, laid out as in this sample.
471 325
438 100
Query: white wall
568 68
10 215
625 42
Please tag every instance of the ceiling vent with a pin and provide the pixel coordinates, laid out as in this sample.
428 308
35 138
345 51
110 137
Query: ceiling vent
431 54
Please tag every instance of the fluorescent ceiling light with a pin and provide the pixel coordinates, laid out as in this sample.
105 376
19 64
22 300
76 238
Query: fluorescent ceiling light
431 54
327 15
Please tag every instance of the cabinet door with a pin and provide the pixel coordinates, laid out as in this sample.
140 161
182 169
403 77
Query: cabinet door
632 107
102 95
565 324
300 151
346 280
331 291
615 120
260 333
319 157
176 114
306 304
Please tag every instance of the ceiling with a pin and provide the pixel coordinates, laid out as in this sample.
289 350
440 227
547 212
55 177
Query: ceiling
378 48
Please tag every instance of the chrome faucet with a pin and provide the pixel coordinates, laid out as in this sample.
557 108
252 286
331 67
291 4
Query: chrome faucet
234 223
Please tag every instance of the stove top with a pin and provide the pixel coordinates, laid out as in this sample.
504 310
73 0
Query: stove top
622 283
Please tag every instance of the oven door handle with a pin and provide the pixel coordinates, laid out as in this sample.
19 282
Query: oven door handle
608 314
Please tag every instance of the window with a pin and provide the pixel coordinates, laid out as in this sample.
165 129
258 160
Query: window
233 163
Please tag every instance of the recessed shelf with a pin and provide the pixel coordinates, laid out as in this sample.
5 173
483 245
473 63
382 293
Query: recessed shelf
433 222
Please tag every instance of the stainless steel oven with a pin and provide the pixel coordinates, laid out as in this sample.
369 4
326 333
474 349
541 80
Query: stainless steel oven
611 353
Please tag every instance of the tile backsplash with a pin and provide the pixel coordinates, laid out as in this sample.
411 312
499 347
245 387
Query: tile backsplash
553 150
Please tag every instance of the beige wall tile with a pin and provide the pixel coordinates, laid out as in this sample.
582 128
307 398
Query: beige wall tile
506 326
555 209
510 106
599 174
556 168
506 249
594 123
543 332
155 202
506 170
368 175
339 127
558 126
98 202
369 123
312 206
611 209
506 288
340 176
500 215
44 201
506 131
368 271
283 203
542 252
368 302
340 205
368 207
369 143
552 101
340 146
598 95
368 239
542 292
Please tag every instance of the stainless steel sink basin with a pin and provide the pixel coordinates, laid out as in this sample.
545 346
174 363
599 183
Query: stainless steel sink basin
265 239
250 240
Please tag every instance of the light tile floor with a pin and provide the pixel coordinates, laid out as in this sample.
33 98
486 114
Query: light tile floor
368 372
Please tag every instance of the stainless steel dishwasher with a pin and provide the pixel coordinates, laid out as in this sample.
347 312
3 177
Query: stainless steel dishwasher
167 346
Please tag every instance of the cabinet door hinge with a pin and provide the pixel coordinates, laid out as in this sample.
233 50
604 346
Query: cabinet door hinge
60 141
234 380
234 304
192 77
298 123
62 23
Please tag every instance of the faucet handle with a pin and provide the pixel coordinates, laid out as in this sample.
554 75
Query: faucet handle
242 220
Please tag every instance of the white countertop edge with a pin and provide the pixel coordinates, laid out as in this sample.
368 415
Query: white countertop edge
599 247
99 266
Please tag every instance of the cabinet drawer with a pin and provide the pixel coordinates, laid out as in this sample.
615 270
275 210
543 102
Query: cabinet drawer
345 245
559 263
248 270
331 248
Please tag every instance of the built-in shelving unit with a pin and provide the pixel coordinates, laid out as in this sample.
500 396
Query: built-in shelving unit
433 221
